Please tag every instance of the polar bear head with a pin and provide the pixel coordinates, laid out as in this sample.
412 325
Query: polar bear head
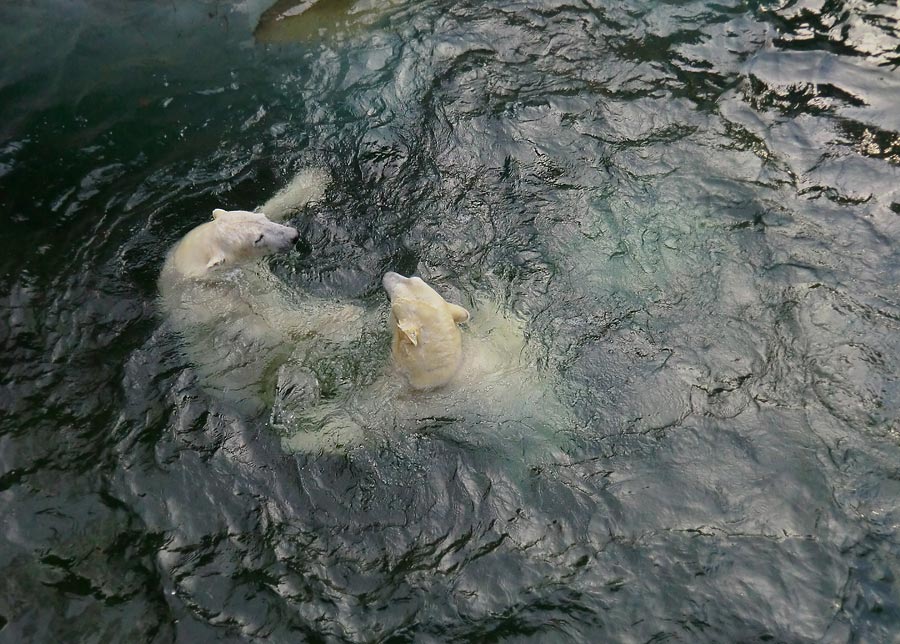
426 344
233 237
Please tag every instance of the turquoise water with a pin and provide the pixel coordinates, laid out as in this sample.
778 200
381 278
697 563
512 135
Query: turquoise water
692 209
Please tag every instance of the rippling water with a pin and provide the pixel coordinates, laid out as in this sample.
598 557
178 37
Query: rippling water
693 208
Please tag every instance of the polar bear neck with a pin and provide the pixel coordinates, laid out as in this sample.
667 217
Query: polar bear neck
192 255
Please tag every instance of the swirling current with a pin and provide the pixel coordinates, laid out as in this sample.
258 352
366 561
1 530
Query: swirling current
692 209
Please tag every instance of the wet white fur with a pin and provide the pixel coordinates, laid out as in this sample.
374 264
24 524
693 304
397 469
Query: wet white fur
426 343
238 237
483 372
232 239
238 321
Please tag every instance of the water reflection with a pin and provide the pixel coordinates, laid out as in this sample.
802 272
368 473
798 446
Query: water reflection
297 21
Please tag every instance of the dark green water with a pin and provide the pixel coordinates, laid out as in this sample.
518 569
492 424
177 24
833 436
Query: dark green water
694 207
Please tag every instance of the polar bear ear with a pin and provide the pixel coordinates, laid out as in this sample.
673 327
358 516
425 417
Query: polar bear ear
215 260
218 212
458 313
404 317
410 330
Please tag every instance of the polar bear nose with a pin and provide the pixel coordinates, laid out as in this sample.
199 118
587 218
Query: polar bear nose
390 281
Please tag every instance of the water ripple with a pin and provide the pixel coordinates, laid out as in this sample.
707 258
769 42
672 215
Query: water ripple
691 208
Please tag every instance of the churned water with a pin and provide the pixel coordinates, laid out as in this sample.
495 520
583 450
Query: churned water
692 210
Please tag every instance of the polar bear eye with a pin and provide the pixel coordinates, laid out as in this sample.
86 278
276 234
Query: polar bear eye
259 239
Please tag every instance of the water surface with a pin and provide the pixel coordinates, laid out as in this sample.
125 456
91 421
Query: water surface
693 208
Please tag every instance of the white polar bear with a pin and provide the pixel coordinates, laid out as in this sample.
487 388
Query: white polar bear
426 343
481 386
233 238
238 237
237 320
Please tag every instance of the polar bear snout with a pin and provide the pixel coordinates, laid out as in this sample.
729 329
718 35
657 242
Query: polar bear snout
293 236
269 237
390 281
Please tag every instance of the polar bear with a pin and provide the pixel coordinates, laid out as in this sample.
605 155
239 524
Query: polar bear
426 343
237 320
478 385
239 237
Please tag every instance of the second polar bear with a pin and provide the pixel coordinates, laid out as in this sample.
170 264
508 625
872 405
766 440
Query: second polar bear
238 237
426 343
237 320
480 386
